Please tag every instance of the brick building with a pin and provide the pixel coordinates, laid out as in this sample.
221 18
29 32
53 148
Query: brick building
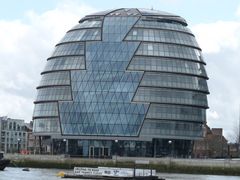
213 145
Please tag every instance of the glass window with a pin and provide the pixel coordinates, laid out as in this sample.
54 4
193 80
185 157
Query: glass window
170 128
45 125
165 64
150 47
54 93
76 48
116 28
155 79
162 25
45 109
134 33
175 112
157 35
82 35
55 78
161 95
88 24
65 63
106 118
169 50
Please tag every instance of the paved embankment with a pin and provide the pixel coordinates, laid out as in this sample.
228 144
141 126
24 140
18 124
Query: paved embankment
198 166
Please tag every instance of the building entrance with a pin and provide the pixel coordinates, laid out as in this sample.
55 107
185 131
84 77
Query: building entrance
99 152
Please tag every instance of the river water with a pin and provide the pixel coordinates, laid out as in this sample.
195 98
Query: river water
50 174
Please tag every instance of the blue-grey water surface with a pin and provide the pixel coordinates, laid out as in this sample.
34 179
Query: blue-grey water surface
50 174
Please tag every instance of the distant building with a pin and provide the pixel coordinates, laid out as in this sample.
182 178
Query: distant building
13 135
213 145
233 150
32 141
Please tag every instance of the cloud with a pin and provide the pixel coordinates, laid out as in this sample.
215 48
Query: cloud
172 2
9 36
220 42
15 106
212 115
24 48
238 11
213 37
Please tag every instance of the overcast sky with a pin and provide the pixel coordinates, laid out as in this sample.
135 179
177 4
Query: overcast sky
29 30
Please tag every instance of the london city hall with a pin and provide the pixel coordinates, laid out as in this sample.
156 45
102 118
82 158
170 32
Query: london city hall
126 82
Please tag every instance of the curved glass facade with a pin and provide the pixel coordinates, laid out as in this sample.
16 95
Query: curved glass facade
124 81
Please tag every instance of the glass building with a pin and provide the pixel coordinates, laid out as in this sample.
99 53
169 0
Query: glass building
128 82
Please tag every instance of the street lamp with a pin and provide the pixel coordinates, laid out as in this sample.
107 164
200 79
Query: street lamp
116 149
116 143
18 144
170 145
65 143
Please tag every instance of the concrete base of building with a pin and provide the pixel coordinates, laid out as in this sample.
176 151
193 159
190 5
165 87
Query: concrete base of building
128 148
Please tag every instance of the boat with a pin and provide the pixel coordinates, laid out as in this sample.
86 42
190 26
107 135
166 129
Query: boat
111 173
3 162
112 177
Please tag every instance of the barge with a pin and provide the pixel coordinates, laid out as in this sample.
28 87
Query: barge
112 173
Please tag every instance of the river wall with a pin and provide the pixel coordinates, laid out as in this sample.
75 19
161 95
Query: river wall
172 165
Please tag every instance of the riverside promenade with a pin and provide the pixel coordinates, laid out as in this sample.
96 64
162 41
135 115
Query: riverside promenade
171 165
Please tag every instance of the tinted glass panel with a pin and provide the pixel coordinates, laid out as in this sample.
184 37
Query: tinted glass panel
54 93
65 63
69 49
161 36
161 128
115 28
174 112
171 96
174 81
46 125
103 93
167 65
82 35
162 25
46 109
169 50
55 78
88 24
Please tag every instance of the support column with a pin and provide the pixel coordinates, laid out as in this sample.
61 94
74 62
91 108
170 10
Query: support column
52 145
66 146
154 148
40 144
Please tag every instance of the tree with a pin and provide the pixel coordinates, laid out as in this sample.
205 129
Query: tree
235 136
236 132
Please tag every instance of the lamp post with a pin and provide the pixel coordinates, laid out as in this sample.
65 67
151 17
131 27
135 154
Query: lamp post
116 143
18 144
65 144
170 145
